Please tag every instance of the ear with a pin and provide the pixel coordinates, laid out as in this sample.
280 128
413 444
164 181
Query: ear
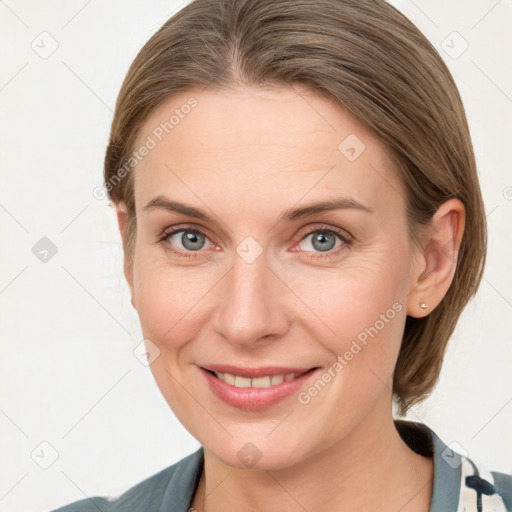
122 220
435 261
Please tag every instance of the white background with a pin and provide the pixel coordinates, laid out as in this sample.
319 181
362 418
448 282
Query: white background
67 372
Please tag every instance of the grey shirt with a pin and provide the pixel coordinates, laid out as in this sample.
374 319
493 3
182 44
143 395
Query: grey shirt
459 484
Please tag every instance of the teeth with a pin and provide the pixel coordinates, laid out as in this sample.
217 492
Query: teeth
261 382
278 379
227 377
257 382
242 382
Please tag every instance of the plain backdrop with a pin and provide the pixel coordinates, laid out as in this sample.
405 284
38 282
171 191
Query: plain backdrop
80 415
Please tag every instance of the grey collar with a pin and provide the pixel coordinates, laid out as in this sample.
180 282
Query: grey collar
446 485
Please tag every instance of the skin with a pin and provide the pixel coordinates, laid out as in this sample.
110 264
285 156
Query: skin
245 156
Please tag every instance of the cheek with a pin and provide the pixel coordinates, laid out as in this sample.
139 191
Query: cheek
352 296
360 315
167 299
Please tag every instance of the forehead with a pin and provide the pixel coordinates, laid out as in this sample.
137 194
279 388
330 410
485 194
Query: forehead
257 146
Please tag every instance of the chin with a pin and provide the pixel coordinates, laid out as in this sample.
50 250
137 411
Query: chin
256 452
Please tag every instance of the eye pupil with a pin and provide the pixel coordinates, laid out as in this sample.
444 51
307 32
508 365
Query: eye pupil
322 238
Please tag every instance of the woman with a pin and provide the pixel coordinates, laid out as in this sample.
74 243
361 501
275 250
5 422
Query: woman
302 225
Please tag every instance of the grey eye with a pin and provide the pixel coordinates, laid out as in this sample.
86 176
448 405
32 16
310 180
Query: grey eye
321 241
190 240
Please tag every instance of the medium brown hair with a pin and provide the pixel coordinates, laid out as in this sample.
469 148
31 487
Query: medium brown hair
368 57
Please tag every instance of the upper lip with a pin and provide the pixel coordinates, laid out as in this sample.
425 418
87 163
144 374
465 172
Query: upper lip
256 372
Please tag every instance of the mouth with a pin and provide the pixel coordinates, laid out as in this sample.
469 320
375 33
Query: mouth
255 388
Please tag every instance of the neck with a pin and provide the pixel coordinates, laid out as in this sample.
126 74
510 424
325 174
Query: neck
371 469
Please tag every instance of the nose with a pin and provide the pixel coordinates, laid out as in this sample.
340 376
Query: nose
251 304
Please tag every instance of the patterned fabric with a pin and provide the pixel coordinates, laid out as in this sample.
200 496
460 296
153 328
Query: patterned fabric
477 490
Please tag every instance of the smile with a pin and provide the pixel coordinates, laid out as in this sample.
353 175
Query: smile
254 389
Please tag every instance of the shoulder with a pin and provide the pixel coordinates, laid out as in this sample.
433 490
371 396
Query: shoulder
460 481
503 486
180 480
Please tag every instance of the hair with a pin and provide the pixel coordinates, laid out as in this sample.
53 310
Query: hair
372 60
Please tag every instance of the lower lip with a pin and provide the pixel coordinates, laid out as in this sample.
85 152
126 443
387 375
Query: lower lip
254 399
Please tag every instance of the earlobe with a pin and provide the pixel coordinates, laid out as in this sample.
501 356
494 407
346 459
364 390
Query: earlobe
433 274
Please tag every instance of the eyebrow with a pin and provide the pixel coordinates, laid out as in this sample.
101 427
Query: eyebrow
291 214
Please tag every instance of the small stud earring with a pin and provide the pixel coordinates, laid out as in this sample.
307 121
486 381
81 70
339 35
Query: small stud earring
423 305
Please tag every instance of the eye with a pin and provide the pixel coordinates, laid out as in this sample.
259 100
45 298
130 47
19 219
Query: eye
325 242
185 241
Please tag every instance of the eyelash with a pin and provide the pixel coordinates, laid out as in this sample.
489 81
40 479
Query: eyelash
347 242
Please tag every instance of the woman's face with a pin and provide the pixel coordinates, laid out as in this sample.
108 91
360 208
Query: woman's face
257 282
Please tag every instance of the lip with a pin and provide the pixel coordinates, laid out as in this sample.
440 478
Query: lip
254 399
